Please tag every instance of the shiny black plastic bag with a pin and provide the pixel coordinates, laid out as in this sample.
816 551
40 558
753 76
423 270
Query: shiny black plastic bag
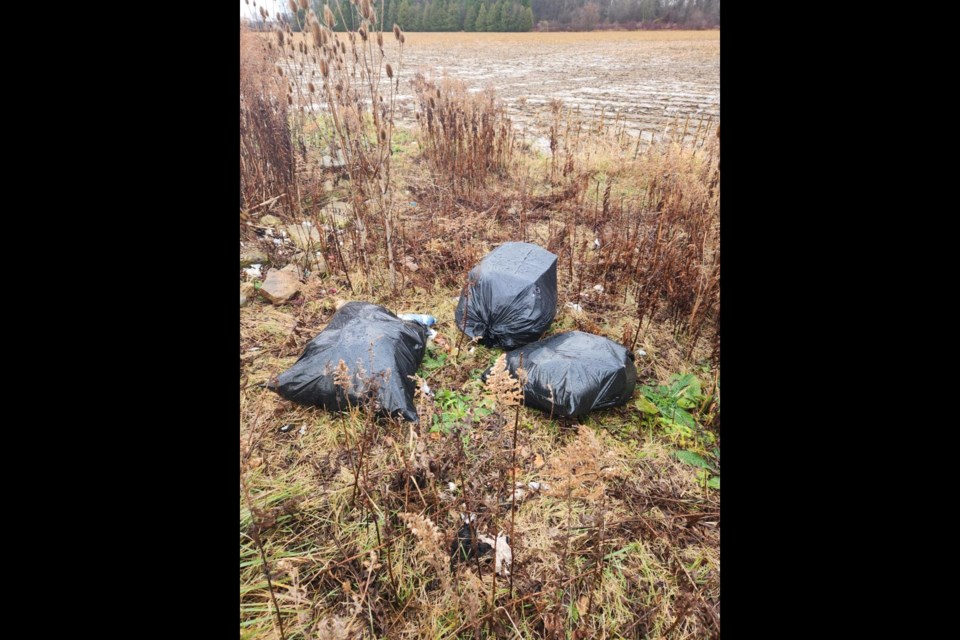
511 296
380 352
571 374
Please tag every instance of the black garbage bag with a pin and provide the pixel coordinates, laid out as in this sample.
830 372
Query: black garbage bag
511 296
571 374
380 352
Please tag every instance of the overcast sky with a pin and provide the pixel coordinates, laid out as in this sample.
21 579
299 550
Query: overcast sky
247 10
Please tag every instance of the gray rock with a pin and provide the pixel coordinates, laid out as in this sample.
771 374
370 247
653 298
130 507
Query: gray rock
246 292
333 162
251 256
270 221
313 262
341 212
306 238
281 285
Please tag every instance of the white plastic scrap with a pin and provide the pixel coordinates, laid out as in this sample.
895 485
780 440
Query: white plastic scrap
598 288
503 555
641 352
254 271
520 492
575 307
596 243
303 430
452 486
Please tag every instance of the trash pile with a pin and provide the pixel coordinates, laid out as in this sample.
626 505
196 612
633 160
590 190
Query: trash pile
366 355
511 296
571 374
379 352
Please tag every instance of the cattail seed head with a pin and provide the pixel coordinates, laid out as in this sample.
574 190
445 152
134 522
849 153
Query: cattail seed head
280 37
280 71
324 68
380 39
311 87
396 32
263 13
317 34
293 6
363 33
364 7
289 99
328 15
402 38
389 71
304 4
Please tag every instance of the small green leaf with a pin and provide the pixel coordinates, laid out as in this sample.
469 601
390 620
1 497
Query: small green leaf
714 483
645 405
693 459
679 416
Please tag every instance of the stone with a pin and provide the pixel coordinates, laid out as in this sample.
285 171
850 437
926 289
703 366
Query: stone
341 212
270 221
253 256
306 238
314 262
246 292
333 162
281 285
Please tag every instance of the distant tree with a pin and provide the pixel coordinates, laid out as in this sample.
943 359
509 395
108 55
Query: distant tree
586 18
493 17
526 23
405 15
482 23
470 21
454 16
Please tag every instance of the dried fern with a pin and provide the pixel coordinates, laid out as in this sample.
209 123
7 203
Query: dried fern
506 390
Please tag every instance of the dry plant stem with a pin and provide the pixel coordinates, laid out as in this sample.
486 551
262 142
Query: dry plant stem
518 600
513 492
358 471
255 530
393 584
598 556
693 584
470 520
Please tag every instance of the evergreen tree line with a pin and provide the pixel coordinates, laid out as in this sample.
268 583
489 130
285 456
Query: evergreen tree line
525 15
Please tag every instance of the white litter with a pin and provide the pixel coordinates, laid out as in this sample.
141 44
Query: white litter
575 307
254 271
641 352
503 555
303 430
598 288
